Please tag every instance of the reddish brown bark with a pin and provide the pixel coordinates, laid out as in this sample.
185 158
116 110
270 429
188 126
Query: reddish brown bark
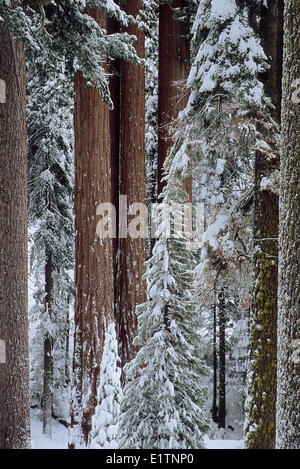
113 26
14 364
174 66
94 297
132 252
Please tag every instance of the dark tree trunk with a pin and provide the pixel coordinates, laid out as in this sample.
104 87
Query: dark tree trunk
263 324
222 361
288 404
113 26
94 295
215 368
47 399
174 66
14 355
132 252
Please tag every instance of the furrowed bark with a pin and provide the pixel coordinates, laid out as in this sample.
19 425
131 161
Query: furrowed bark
174 66
94 296
261 413
288 389
14 360
132 252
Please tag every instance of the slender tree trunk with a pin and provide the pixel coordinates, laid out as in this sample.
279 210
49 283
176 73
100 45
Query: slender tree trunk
222 361
94 296
215 367
263 323
14 354
48 350
67 344
288 404
174 66
132 252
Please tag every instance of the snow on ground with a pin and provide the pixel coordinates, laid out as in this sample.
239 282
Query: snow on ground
60 433
224 444
40 441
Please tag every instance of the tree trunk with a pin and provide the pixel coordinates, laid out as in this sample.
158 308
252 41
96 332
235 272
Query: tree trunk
113 26
48 350
174 66
222 361
288 404
94 295
215 367
14 354
263 322
132 252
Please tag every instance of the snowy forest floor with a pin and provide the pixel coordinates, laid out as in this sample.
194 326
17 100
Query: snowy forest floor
60 433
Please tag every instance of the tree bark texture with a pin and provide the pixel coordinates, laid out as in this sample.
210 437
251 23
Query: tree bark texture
113 26
94 295
132 252
288 390
261 413
174 67
222 361
215 367
14 360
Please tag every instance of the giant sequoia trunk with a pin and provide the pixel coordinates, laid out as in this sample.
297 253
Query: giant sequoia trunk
14 359
132 252
263 337
174 66
113 26
288 401
94 296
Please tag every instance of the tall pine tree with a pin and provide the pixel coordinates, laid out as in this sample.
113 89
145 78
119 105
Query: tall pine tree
288 387
50 182
14 362
261 409
163 396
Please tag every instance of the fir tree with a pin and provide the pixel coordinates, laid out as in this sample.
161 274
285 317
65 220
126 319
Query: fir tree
226 121
61 29
164 398
50 179
105 420
150 18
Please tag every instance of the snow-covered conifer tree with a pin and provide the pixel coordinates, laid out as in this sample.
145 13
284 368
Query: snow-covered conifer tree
150 19
50 179
60 29
105 420
218 127
164 397
226 120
